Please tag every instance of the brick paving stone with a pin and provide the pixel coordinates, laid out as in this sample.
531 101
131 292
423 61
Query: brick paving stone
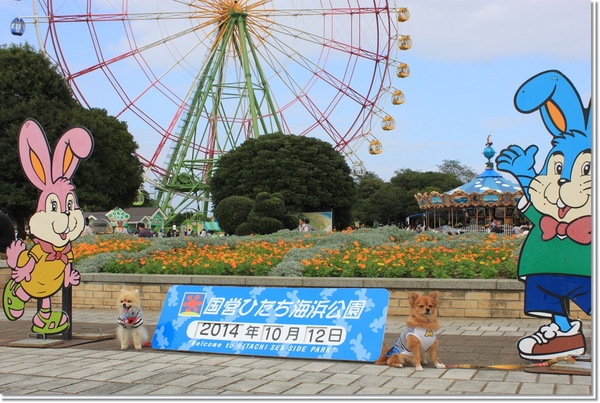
275 387
170 391
312 377
582 380
435 384
429 372
183 368
54 384
138 389
573 390
402 391
207 392
459 373
316 366
521 376
82 386
216 359
536 389
402 383
306 389
190 359
107 388
342 379
187 380
283 375
228 371
33 369
501 387
46 393
283 364
397 372
341 368
113 374
490 375
493 333
198 369
21 380
370 369
245 385
341 390
17 391
215 382
369 380
464 386
558 378
159 378
265 363
369 390
258 373
9 379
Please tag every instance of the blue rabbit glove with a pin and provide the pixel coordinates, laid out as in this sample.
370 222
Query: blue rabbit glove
519 163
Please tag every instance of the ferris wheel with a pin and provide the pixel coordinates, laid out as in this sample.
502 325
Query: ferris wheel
193 79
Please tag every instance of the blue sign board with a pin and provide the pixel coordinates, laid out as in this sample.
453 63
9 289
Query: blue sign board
321 323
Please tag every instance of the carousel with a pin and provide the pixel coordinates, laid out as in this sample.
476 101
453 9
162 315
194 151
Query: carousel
485 201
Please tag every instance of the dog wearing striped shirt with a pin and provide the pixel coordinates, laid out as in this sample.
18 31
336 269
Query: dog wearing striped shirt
130 320
419 335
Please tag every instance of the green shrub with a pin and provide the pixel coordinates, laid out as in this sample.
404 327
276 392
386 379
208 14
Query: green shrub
233 211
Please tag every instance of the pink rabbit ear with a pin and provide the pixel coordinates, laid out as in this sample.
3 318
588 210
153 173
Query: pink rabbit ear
34 153
75 145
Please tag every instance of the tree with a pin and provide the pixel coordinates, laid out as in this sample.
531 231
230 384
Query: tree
411 182
307 172
366 211
112 176
462 172
386 204
31 87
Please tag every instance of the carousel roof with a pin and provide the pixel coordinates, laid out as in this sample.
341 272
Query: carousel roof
489 179
489 189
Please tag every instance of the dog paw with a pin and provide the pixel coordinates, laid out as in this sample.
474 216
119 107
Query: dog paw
440 365
419 368
138 346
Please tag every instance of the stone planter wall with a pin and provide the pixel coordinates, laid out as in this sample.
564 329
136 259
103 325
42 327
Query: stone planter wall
460 298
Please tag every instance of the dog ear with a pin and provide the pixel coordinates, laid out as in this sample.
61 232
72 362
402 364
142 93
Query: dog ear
412 297
435 295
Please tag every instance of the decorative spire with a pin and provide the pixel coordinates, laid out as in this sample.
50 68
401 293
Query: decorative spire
489 152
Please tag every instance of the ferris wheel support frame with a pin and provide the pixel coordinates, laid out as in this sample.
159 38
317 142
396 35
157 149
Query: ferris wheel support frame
179 166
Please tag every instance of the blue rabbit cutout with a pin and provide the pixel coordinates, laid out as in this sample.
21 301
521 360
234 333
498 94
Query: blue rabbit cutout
555 260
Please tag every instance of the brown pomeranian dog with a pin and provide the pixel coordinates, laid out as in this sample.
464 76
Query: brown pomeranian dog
130 320
418 337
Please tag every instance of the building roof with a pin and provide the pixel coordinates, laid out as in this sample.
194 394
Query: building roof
136 214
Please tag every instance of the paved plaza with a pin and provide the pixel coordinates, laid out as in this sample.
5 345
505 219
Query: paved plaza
99 368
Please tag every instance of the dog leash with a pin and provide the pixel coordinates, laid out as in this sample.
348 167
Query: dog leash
570 359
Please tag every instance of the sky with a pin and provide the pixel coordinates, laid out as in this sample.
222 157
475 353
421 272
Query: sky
467 60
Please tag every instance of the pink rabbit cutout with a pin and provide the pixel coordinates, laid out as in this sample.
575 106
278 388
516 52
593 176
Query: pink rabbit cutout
48 266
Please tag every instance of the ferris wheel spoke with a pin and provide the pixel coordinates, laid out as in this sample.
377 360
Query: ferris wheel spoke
321 74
